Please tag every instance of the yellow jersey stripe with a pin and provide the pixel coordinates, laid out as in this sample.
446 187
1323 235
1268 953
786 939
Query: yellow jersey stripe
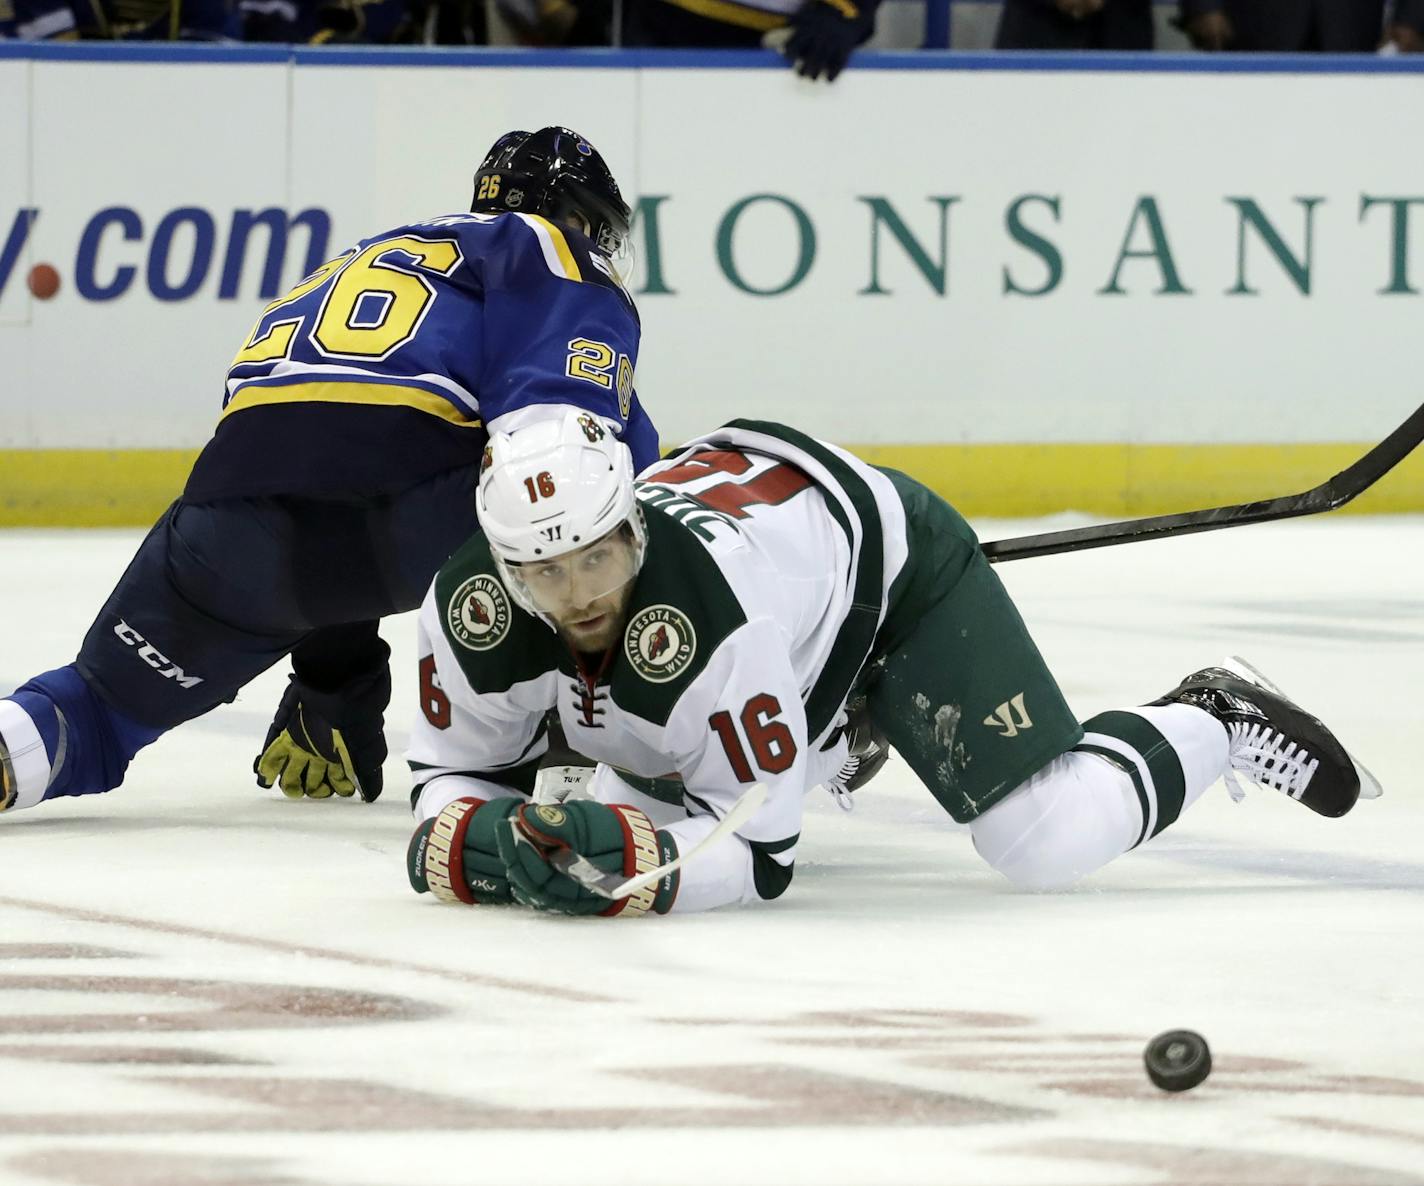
254 395
554 246
734 14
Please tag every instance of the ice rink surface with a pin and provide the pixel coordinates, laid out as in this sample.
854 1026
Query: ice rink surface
206 984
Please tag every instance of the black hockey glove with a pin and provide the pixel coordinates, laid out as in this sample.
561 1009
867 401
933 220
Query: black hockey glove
824 32
328 743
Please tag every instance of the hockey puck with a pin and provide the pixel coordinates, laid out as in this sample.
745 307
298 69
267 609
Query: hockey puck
1177 1060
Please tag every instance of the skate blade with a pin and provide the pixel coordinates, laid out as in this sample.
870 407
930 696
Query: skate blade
1370 787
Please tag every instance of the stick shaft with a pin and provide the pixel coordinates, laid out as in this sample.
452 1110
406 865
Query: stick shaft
612 886
742 810
1344 486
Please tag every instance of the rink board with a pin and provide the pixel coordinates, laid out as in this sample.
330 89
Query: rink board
1051 287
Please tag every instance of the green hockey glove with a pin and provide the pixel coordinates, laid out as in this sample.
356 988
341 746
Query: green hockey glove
455 856
617 839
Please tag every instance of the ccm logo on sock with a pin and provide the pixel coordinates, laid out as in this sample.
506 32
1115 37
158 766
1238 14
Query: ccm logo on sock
151 655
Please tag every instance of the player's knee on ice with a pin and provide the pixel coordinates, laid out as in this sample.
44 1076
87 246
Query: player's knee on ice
1072 817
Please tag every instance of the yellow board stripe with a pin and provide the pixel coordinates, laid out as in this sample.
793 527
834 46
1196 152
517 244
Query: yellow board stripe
1129 481
383 394
733 14
101 488
90 487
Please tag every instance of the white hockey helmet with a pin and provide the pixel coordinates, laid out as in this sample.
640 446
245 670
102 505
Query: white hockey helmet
554 486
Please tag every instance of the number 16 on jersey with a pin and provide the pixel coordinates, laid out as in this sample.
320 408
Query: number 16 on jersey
768 738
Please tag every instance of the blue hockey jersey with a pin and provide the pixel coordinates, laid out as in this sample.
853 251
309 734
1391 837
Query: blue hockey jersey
382 367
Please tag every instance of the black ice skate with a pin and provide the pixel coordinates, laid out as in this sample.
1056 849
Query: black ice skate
869 751
1274 742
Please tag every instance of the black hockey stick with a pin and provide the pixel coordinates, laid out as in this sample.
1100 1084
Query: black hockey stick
1339 490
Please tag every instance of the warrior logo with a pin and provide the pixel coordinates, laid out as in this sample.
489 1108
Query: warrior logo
660 643
1003 719
478 615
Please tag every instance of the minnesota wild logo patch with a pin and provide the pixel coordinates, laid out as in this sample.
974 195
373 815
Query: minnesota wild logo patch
478 614
660 642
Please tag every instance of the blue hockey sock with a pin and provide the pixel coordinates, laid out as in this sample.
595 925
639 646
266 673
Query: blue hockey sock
87 744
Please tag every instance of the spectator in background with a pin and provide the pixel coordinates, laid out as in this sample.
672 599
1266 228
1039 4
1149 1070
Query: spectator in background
315 22
155 20
1285 26
1406 29
559 22
36 20
1075 24
816 36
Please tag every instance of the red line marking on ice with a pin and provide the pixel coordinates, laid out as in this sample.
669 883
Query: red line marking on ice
527 987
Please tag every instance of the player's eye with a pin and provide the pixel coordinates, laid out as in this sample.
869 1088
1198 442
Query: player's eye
548 574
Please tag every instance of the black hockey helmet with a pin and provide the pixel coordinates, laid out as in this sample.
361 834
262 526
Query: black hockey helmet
553 172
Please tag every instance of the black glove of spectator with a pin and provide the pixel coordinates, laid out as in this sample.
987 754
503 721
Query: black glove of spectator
823 33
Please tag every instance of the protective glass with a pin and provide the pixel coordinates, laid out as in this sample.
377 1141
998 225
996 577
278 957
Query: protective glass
575 580
624 257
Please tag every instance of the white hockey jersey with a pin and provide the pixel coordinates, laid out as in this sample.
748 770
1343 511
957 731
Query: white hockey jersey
768 569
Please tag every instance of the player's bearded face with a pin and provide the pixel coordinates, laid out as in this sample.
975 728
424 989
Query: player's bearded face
586 592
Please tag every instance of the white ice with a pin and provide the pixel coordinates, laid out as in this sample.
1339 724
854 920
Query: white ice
201 982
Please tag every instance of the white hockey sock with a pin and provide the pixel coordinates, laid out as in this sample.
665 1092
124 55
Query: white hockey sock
1133 774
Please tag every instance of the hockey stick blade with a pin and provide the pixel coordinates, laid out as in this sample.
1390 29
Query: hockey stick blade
1349 482
614 886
